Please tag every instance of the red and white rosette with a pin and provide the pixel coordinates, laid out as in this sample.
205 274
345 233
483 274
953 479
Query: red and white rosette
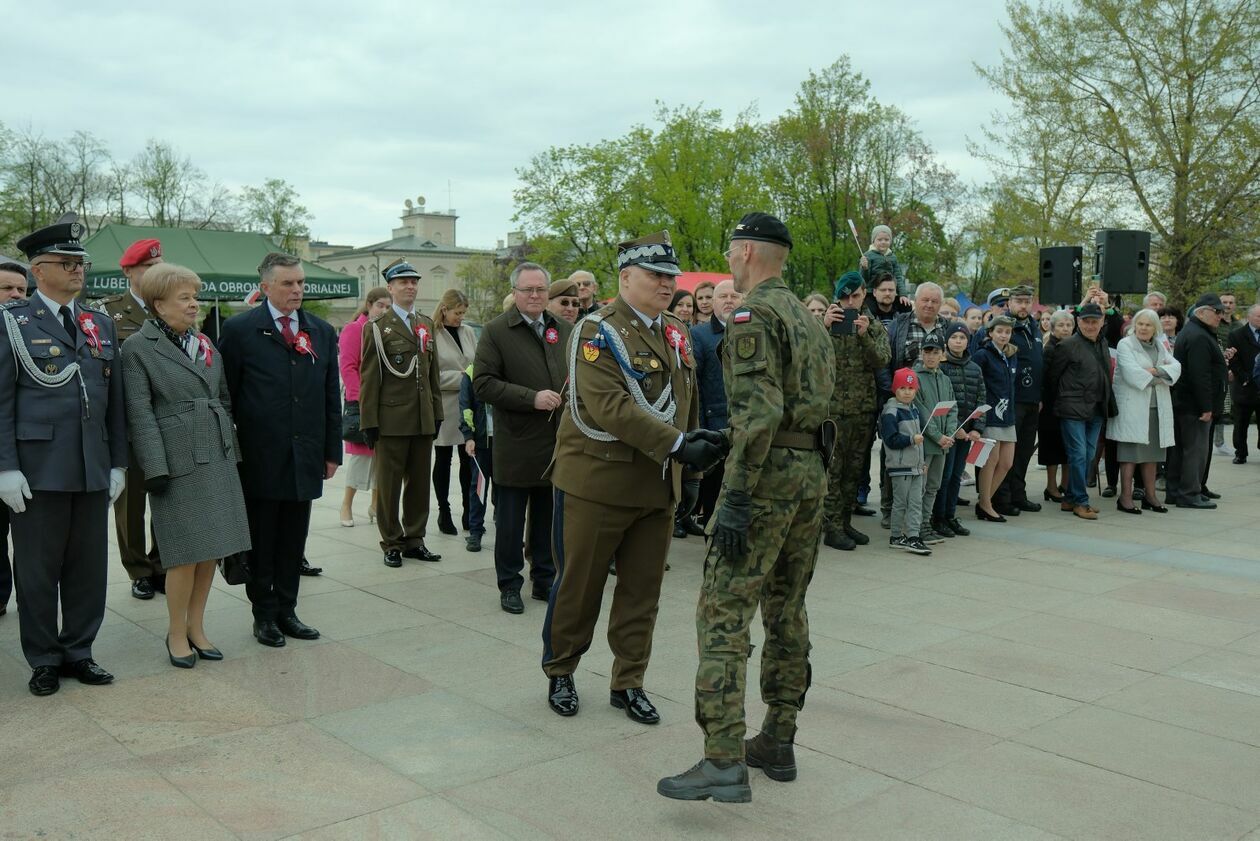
302 344
551 336
422 336
207 349
674 337
88 325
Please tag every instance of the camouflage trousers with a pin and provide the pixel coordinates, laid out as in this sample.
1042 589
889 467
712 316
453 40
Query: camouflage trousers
783 547
854 434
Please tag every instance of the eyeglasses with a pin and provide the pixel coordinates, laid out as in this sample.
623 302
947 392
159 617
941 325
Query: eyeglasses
568 302
533 291
68 266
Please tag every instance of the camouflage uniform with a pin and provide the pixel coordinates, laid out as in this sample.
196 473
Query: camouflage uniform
853 406
779 365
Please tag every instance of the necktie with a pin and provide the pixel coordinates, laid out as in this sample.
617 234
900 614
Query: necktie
67 321
538 327
286 330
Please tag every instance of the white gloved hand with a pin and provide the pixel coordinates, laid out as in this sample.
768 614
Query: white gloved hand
117 481
14 491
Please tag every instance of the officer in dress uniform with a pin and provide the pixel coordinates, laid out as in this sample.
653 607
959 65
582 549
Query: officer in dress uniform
63 456
400 407
624 436
143 567
779 366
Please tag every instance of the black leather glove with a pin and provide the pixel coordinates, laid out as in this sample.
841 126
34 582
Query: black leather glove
371 435
733 520
713 437
698 454
156 484
690 496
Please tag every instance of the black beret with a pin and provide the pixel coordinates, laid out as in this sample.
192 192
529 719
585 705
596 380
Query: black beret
762 227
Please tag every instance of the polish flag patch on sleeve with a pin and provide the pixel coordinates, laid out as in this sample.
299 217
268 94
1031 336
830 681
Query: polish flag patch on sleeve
741 316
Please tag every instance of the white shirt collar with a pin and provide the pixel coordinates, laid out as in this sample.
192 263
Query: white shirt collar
54 307
140 301
647 321
276 315
403 314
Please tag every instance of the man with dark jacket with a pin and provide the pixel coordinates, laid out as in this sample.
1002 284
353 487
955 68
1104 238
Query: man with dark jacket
281 367
1245 341
520 370
1012 497
705 338
1081 371
1197 398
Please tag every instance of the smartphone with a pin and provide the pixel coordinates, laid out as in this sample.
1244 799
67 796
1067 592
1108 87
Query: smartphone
847 327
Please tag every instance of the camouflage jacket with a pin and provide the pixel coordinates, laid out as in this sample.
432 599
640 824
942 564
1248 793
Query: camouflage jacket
858 358
779 367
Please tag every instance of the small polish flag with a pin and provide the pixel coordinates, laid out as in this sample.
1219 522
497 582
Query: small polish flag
253 297
481 482
742 317
943 408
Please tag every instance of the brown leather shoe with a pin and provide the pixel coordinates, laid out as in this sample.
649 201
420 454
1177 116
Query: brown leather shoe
1085 512
1066 506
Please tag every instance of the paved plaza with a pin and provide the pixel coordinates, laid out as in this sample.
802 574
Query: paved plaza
1045 678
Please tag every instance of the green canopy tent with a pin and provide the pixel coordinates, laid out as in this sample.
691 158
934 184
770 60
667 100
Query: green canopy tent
226 261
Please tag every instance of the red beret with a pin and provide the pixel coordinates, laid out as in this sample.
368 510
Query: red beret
139 251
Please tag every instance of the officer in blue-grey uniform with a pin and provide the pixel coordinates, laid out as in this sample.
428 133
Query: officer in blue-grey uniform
63 456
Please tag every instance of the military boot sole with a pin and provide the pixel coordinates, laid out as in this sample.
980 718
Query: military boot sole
778 773
720 794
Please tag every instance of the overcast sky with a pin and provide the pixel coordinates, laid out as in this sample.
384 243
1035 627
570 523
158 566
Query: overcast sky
361 105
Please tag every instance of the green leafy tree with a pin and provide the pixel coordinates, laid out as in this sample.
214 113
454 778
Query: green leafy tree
485 282
275 209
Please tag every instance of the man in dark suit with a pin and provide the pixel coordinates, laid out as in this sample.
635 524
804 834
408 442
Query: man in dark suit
281 366
63 456
12 288
1245 342
520 370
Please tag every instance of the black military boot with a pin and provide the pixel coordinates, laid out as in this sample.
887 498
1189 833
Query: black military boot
855 535
777 759
725 780
839 540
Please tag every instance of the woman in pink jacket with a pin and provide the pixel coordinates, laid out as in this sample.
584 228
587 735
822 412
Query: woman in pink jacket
358 456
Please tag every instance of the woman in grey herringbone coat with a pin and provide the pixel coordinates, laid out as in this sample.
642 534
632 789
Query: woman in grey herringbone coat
178 414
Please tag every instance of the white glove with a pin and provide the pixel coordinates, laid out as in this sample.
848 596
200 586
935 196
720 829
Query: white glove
117 481
13 490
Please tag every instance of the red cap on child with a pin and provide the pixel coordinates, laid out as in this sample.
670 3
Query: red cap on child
905 378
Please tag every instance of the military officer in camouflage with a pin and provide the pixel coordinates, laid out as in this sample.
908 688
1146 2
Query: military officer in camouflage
861 350
624 438
779 367
144 567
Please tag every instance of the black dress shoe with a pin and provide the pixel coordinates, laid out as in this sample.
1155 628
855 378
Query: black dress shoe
142 588
510 601
1240 459
692 527
307 569
1109 491
291 626
958 529
1049 497
679 531
206 653
1184 502
445 524
1133 510
863 511
1147 505
86 671
562 695
44 680
963 501
981 514
1007 510
268 633
393 558
1209 494
636 704
1028 505
185 662
725 780
540 593
420 553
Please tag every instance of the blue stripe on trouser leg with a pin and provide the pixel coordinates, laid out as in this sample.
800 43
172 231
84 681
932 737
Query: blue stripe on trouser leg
557 555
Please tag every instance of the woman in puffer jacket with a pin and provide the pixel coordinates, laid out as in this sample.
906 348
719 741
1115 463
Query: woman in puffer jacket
997 360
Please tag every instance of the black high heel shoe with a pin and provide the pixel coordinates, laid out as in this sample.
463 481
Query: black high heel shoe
1133 510
1051 497
206 653
180 662
981 514
1147 505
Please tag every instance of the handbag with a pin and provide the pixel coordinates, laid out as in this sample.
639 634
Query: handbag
235 568
350 423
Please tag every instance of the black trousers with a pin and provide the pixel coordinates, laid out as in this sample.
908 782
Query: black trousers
277 530
509 513
1244 414
1188 460
710 487
60 554
442 476
1014 488
6 571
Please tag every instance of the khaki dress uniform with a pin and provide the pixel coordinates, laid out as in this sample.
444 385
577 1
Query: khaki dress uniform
129 316
399 396
615 487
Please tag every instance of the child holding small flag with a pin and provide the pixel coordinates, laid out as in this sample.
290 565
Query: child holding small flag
902 433
476 422
939 411
968 382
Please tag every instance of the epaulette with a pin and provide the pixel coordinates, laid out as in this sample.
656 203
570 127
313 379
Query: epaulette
379 317
17 304
99 305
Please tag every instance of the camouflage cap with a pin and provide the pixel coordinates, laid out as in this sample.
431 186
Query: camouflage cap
1022 291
